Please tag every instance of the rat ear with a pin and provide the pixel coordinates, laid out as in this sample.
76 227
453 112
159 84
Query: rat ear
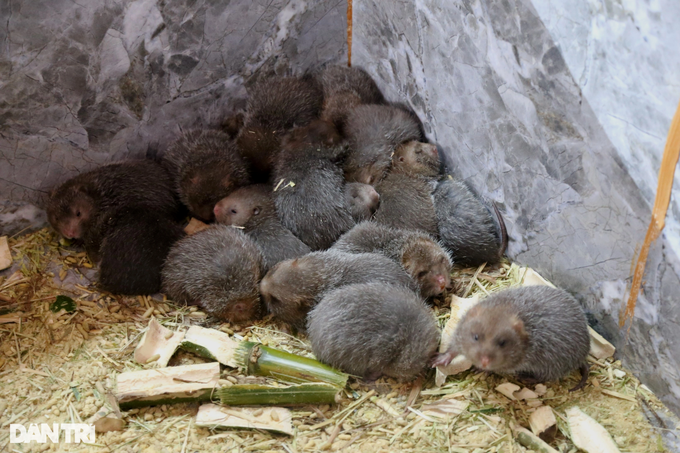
518 326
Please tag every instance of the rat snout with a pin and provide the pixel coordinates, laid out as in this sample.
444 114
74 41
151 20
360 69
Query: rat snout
484 361
217 210
441 281
432 150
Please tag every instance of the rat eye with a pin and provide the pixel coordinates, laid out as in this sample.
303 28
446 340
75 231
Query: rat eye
77 213
419 151
501 343
401 159
256 211
422 274
233 211
475 337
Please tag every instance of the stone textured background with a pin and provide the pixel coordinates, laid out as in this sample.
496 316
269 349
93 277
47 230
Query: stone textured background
496 95
83 83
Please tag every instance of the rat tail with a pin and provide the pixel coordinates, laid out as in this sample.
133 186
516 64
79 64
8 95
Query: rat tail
585 368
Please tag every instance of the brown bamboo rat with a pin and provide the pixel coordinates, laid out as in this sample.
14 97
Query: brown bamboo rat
538 333
76 208
373 329
363 200
276 105
207 166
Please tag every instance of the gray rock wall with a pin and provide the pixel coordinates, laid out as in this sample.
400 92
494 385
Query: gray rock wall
496 95
83 83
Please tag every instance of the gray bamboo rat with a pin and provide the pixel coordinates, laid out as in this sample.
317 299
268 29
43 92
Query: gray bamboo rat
373 329
467 226
252 208
217 268
292 287
309 193
420 255
538 333
374 132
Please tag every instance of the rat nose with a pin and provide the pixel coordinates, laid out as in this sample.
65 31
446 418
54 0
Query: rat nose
432 149
441 281
216 210
484 362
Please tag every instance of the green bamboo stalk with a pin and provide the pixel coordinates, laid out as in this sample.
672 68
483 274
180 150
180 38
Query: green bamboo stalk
256 394
259 360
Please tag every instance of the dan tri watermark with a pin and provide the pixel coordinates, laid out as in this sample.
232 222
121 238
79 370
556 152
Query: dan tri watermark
73 433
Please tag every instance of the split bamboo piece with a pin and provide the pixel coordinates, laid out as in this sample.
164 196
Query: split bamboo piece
587 434
5 254
276 419
158 344
180 384
543 423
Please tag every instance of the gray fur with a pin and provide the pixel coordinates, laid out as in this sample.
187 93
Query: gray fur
218 269
275 241
467 227
363 200
207 166
406 202
416 251
310 198
291 288
373 329
374 132
558 341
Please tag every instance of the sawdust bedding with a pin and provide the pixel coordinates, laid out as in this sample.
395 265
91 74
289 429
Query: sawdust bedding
61 368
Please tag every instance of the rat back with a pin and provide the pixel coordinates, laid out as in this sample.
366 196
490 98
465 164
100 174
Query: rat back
134 250
219 269
374 132
405 202
466 225
373 329
310 198
276 243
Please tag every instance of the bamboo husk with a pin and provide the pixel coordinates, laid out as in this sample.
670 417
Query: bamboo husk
212 344
276 419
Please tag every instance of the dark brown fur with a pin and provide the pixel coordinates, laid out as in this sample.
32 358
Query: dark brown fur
373 329
275 106
79 206
207 167
134 250
345 88
536 332
218 269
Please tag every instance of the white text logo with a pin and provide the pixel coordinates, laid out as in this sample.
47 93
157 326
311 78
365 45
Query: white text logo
73 433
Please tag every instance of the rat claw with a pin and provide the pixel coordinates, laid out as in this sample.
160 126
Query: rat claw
441 360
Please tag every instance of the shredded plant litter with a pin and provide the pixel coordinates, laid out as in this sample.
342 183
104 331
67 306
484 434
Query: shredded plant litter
61 367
